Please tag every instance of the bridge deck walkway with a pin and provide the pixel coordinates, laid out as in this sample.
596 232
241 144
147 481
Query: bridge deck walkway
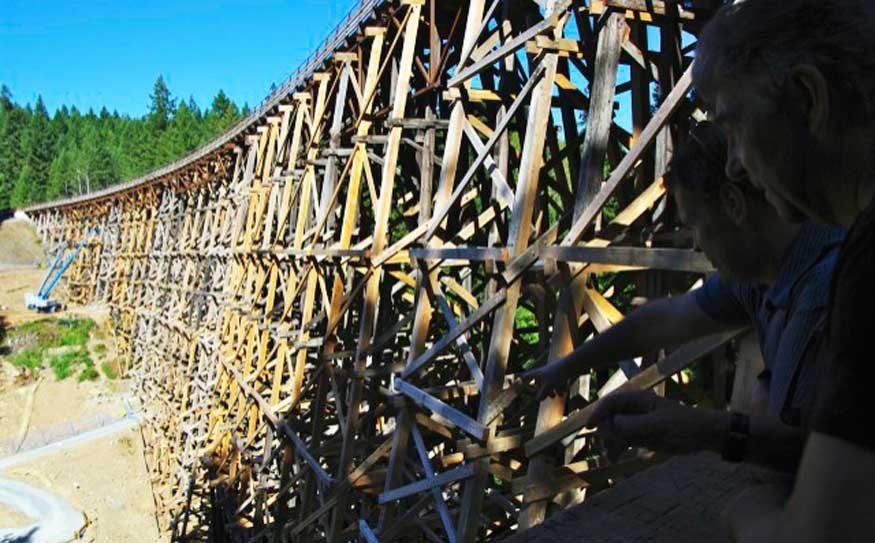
678 501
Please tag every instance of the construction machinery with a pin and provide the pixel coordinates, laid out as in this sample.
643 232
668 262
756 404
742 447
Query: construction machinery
42 301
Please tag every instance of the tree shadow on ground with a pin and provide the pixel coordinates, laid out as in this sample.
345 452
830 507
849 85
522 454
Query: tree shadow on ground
26 537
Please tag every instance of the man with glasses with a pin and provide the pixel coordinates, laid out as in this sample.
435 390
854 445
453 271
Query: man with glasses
772 273
792 83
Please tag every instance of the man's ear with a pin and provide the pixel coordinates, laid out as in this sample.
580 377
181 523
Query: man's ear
733 203
813 92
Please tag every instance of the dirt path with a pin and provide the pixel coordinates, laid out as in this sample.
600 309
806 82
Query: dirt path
57 521
100 474
104 477
72 441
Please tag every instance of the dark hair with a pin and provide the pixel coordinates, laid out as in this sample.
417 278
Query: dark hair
699 163
770 37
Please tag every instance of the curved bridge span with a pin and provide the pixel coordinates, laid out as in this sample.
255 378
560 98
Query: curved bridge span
325 308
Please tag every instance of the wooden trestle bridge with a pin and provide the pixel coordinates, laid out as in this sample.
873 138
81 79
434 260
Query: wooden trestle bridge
324 309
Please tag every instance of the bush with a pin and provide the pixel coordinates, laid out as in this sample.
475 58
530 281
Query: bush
110 370
37 333
31 359
64 364
75 331
88 374
35 338
54 332
100 348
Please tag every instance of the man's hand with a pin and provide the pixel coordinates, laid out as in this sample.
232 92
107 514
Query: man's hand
643 419
548 379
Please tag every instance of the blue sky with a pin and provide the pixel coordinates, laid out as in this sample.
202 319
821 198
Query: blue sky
103 52
109 52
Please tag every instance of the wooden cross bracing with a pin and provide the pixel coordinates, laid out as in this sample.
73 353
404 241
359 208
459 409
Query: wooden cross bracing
326 310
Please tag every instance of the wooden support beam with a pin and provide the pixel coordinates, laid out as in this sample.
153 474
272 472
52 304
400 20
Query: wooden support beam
658 259
463 421
267 290
652 376
456 474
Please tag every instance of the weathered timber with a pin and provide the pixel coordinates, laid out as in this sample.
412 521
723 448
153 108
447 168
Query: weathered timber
325 309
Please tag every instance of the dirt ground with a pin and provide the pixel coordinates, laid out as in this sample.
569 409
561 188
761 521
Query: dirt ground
14 284
107 480
19 245
10 518
56 403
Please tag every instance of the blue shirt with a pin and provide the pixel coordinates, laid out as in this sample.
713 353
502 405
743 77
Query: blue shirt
786 316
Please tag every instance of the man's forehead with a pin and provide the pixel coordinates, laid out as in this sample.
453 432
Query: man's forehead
738 97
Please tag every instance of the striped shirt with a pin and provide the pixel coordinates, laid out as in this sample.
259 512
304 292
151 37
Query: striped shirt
787 317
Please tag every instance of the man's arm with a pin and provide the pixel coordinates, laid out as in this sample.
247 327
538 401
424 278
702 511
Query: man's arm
831 500
641 418
662 323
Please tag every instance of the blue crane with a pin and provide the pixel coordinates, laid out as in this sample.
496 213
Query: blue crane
41 301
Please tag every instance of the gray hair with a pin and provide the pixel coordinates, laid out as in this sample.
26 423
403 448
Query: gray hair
770 37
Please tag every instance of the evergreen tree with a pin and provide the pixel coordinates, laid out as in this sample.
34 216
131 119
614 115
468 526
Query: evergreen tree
137 146
5 96
23 189
69 153
37 148
162 107
11 160
221 115
183 134
62 173
96 163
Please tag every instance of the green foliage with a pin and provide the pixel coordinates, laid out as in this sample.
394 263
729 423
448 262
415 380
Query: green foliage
611 209
163 106
183 133
62 364
37 150
526 320
42 333
31 359
23 189
75 331
100 348
223 113
622 298
526 324
39 336
110 370
88 374
45 158
13 121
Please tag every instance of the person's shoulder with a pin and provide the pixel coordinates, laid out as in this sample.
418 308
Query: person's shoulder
828 242
824 237
727 301
716 283
813 288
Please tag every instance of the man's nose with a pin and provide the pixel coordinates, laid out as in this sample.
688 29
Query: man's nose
734 167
